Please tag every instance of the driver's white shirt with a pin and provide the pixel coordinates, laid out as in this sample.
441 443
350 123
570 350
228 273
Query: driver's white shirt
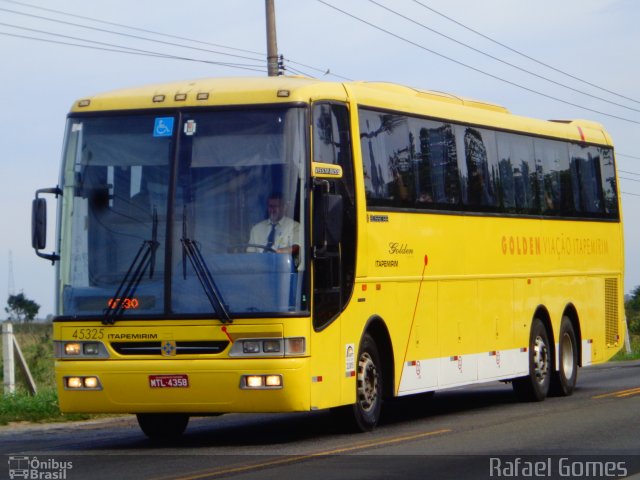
287 234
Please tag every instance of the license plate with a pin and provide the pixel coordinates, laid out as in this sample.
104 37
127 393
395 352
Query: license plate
169 381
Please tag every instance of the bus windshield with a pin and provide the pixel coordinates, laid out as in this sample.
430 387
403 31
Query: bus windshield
197 213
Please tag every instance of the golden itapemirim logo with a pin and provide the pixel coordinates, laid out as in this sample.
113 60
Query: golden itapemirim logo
537 245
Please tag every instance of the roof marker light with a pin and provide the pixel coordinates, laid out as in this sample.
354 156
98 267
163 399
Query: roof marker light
203 96
84 103
158 98
283 93
180 97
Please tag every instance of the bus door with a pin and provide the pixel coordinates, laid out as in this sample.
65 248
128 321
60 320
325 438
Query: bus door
333 258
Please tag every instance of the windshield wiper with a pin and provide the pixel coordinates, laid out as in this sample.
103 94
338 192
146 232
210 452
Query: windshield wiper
191 250
144 259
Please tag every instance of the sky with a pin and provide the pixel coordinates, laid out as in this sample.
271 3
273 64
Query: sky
595 41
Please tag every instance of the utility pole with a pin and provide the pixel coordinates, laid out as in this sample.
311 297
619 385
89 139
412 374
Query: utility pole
272 45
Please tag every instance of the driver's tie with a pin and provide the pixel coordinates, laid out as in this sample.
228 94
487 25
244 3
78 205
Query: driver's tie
272 236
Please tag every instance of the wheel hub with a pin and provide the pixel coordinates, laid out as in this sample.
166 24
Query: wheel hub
540 360
367 382
566 347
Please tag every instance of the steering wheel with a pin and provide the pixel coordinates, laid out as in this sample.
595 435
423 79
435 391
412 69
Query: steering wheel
262 247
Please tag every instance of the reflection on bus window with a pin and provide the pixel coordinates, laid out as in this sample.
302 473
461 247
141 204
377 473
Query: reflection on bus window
415 163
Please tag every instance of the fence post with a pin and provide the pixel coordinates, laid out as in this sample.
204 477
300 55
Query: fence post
627 340
8 358
11 350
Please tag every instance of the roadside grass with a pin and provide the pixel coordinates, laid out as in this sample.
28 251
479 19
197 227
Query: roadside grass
635 350
42 407
36 345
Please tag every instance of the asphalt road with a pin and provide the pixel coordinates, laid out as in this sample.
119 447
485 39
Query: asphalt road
480 432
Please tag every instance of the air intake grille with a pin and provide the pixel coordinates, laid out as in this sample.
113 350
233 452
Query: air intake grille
611 310
182 348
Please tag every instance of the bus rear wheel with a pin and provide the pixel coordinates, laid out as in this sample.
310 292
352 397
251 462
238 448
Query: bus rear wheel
535 386
162 426
564 379
366 410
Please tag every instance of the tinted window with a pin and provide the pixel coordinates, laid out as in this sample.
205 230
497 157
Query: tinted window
557 189
438 178
587 179
609 187
388 153
479 167
519 186
411 162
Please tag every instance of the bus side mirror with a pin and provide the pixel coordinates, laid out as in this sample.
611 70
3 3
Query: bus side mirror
39 223
328 215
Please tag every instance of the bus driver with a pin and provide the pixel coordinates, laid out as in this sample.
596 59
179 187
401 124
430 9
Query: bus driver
277 233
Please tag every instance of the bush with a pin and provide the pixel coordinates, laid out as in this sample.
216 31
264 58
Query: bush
634 324
632 310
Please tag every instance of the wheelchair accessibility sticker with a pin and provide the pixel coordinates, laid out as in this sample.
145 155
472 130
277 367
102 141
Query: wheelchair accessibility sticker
163 127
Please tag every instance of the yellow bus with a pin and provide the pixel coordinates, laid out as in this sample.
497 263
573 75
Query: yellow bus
287 244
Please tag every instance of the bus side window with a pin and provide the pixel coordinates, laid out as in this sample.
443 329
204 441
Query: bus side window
587 181
608 178
557 195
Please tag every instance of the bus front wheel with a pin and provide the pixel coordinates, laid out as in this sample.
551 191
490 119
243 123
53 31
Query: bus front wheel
366 410
162 426
535 386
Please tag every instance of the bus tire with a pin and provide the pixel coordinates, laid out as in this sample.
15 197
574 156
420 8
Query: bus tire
162 426
535 386
366 410
563 381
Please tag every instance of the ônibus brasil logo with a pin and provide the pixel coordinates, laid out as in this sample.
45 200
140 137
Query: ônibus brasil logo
33 468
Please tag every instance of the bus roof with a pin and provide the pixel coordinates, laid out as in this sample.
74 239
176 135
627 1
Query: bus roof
382 95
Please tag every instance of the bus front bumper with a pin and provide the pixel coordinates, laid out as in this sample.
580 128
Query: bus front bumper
187 386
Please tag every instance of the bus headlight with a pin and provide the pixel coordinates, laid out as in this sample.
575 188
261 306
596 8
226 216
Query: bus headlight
254 381
91 382
82 383
91 348
251 346
273 381
261 382
269 347
80 350
73 382
74 348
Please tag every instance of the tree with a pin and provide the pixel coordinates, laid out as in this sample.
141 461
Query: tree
632 309
21 309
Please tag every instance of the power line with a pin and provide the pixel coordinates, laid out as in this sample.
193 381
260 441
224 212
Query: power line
630 179
61 12
137 37
297 71
628 173
131 51
153 32
475 69
632 194
528 57
618 154
319 70
481 52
